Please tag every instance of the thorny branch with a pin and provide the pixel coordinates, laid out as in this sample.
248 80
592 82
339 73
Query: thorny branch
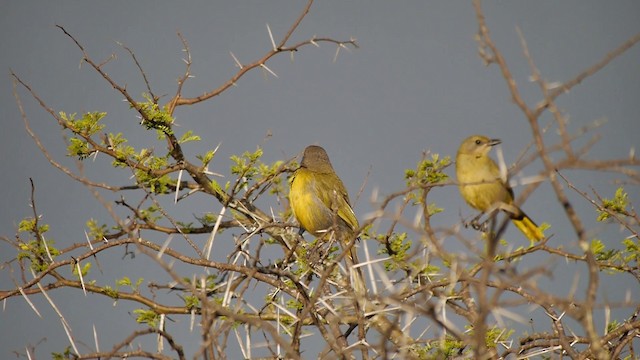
422 301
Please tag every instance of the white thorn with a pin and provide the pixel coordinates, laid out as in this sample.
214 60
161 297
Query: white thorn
33 307
273 43
88 241
160 341
269 70
81 278
238 64
164 246
313 41
374 194
95 338
46 247
554 85
211 239
175 201
335 57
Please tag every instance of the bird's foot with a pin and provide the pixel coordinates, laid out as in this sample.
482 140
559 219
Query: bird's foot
478 226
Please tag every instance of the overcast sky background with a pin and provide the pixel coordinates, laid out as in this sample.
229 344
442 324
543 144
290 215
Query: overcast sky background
415 84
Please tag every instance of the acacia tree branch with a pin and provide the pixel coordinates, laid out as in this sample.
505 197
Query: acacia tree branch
178 100
565 87
429 282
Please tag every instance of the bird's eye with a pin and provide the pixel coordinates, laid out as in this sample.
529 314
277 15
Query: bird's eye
478 142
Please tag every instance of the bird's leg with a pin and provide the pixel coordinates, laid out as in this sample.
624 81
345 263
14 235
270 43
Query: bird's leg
491 213
475 223
512 210
483 226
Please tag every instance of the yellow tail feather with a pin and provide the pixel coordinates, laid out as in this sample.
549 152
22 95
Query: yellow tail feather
529 228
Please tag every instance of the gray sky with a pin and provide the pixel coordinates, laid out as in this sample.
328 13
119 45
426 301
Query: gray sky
415 84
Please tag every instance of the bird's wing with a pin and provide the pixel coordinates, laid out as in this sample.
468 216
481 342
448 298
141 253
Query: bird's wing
337 198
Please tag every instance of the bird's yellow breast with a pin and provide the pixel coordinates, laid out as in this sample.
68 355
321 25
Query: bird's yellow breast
306 203
480 183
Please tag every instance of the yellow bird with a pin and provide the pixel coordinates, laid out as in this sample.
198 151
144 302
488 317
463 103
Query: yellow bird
318 198
482 187
320 203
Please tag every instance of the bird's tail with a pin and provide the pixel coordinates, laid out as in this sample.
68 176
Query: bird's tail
528 227
355 273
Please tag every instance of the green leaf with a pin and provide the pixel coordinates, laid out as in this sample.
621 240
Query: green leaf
138 283
155 117
84 270
64 355
111 292
27 225
207 157
79 148
427 172
148 317
96 231
156 184
125 281
191 302
188 136
617 205
395 246
87 126
123 152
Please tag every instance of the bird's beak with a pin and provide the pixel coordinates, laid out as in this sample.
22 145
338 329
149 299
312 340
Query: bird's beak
494 142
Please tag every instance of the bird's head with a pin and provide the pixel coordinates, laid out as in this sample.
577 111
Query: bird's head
315 159
477 145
